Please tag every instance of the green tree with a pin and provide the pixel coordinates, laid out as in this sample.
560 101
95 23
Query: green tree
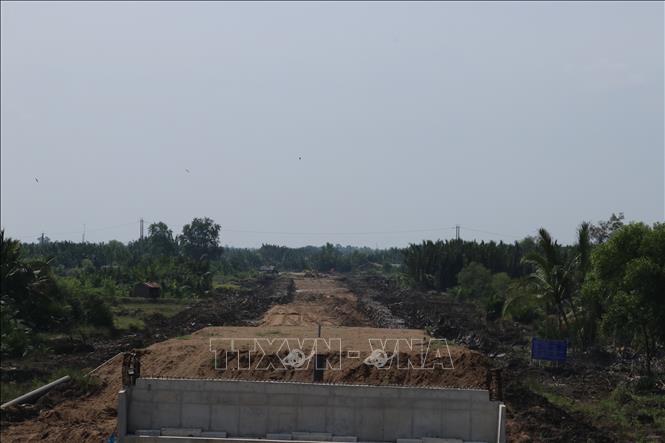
27 288
631 264
558 275
328 258
160 239
200 239
603 230
474 281
500 287
116 253
437 264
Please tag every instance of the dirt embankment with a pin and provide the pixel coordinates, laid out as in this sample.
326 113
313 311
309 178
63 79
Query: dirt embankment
442 315
531 417
93 417
317 300
293 306
305 305
231 307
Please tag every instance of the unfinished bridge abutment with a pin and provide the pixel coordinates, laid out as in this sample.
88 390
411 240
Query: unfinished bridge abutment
160 410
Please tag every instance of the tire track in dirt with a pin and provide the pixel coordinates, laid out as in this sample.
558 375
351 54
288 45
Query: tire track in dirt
321 299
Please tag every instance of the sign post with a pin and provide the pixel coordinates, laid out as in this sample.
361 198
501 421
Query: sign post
550 350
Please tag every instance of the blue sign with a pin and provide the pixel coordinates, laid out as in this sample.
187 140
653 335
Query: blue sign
553 350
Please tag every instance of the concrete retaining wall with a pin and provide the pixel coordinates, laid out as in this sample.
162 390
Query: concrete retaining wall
253 409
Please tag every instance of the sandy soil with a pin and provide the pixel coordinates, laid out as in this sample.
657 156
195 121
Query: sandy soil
318 301
322 301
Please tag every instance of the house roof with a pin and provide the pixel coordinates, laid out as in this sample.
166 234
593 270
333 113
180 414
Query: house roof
151 284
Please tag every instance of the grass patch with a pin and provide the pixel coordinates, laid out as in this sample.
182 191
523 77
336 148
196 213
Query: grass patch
635 415
227 287
11 390
167 310
131 315
126 323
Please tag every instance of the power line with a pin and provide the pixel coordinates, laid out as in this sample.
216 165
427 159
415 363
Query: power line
493 233
404 231
457 228
141 222
78 232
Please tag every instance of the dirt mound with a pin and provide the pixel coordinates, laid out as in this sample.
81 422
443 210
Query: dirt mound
89 418
441 314
92 418
531 417
467 369
235 307
318 300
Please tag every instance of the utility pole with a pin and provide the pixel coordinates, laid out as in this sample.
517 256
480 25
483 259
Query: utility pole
141 229
457 232
41 240
83 236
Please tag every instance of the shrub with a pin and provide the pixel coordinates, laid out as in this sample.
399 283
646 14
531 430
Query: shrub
621 394
15 338
644 384
96 311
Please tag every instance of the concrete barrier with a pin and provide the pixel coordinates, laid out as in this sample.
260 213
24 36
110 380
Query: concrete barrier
253 409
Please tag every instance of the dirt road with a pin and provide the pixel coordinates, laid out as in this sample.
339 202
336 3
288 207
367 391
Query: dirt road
325 300
318 300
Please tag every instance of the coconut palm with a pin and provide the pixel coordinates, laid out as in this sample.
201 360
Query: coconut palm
557 276
25 286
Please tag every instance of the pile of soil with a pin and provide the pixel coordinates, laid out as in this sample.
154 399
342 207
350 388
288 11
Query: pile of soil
444 316
531 417
322 301
294 306
223 307
93 417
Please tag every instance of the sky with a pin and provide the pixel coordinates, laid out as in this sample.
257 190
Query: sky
376 124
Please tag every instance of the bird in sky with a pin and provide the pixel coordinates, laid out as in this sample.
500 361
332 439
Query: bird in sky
187 170
299 158
36 179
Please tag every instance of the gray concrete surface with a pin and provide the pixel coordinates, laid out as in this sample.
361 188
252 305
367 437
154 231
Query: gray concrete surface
252 409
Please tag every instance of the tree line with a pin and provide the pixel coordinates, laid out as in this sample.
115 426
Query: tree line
607 288
63 286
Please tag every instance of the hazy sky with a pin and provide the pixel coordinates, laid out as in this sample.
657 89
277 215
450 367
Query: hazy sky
408 117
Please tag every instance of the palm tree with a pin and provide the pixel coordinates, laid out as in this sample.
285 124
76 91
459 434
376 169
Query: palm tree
550 279
24 286
557 277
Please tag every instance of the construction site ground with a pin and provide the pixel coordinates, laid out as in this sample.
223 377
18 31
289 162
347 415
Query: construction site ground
292 306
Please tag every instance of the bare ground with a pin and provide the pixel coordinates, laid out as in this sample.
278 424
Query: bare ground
346 308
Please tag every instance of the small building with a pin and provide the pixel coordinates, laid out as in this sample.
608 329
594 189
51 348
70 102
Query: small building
148 289
268 270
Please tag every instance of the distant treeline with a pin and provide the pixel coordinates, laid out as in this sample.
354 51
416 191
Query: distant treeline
435 265
66 256
325 258
185 264
609 287
430 264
